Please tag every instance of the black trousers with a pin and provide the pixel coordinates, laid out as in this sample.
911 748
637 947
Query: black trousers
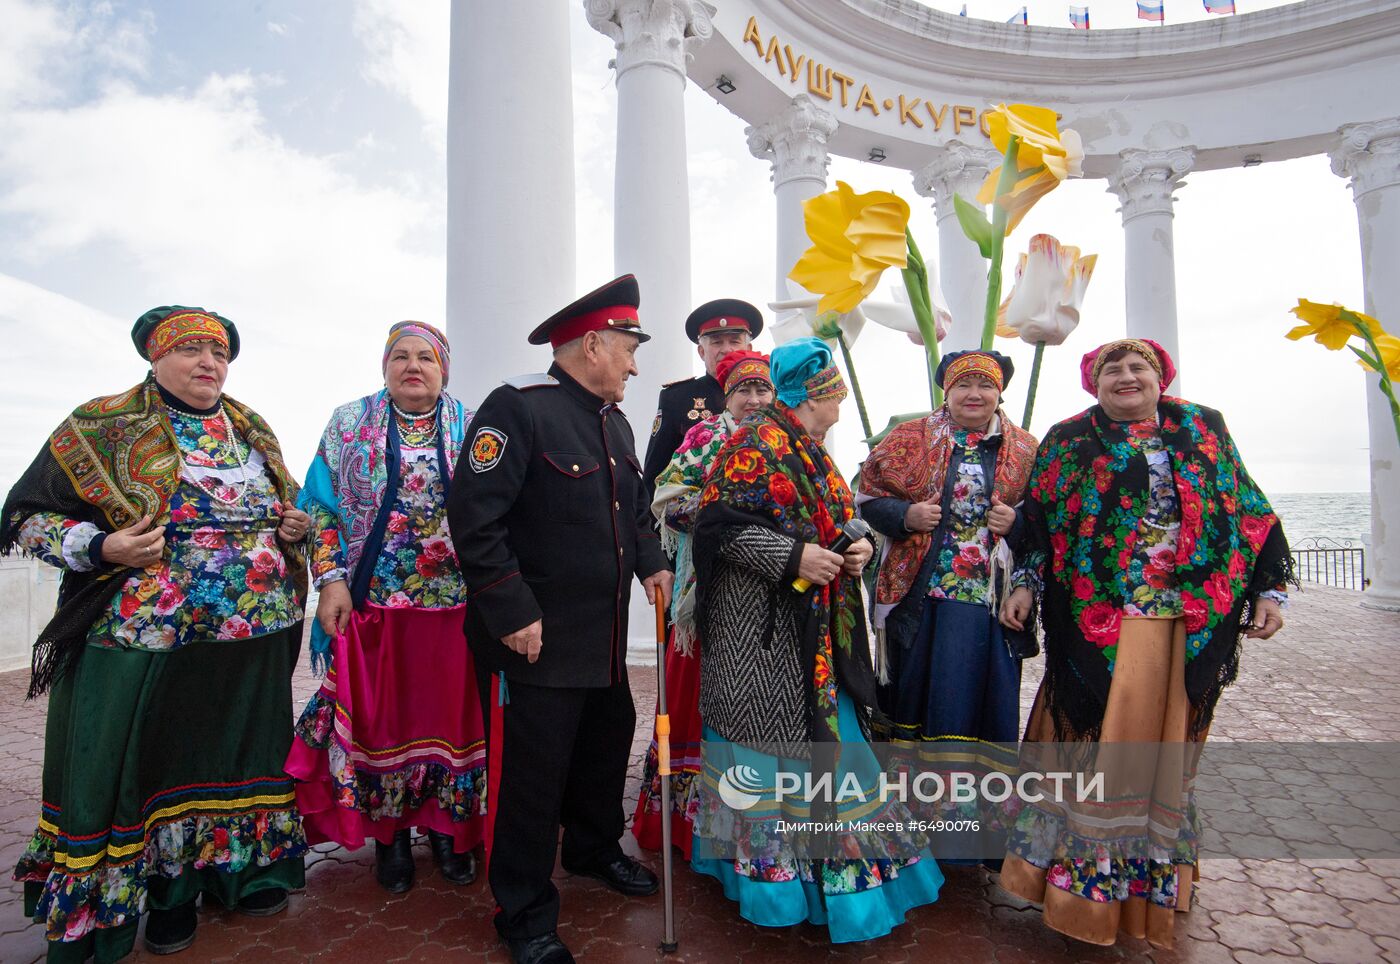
563 762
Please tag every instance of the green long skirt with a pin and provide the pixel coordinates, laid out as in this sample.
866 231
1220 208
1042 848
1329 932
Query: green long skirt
163 780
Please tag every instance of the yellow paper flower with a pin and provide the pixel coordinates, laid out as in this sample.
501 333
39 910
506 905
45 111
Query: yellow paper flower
1331 326
855 237
1389 347
1045 156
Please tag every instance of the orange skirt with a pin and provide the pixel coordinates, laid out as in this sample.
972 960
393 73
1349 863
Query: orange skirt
1147 704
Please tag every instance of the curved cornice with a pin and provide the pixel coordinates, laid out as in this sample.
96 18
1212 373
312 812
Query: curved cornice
1276 83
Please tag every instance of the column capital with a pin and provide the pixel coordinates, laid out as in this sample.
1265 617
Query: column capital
795 141
957 168
1146 181
663 33
1368 155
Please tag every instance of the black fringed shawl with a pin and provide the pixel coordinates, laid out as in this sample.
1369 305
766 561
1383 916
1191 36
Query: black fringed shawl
1088 491
111 462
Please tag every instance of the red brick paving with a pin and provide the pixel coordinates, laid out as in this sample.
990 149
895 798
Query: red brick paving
1332 675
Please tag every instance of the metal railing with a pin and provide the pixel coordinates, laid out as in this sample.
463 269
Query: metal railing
1330 563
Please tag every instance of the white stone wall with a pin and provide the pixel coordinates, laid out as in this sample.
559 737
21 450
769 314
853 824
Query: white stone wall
28 595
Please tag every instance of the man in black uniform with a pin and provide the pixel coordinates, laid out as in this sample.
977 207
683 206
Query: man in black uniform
550 523
717 328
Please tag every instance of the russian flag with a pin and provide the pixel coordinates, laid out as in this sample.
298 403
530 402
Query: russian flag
1079 17
1151 10
1020 17
1219 6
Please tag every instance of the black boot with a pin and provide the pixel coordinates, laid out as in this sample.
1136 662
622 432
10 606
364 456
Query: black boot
458 868
393 864
264 903
171 931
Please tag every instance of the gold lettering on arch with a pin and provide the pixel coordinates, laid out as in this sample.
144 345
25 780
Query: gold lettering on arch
827 83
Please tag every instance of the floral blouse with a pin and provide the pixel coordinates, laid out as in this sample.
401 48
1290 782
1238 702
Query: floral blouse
1152 562
222 575
961 571
417 566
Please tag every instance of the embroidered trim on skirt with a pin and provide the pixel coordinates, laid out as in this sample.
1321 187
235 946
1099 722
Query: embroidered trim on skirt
163 780
393 739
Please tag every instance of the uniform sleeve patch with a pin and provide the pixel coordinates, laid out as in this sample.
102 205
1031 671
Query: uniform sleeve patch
656 422
487 446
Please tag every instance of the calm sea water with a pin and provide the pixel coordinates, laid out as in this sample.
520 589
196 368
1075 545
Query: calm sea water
1340 516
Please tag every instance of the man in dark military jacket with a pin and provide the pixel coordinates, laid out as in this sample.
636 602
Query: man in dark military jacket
551 523
717 328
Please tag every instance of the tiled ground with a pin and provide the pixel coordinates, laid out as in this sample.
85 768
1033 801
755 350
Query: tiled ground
1332 675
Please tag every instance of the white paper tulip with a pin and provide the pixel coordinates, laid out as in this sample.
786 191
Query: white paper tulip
798 318
1050 282
899 314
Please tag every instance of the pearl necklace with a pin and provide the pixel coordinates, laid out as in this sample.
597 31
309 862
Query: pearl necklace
240 487
409 418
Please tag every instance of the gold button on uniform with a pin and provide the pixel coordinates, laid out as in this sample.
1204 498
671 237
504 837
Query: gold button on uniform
617 506
575 468
612 461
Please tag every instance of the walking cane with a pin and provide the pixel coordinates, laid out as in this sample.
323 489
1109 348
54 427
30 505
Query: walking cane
663 770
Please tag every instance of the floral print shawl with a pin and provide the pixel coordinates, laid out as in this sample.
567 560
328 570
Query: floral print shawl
911 463
674 505
1088 494
350 476
773 474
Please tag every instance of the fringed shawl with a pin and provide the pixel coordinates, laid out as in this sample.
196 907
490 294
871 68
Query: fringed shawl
911 463
112 462
677 497
1087 496
773 474
354 476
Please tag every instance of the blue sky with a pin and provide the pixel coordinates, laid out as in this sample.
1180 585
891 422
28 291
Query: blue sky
283 163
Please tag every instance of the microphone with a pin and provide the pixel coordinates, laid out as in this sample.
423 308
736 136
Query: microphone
851 533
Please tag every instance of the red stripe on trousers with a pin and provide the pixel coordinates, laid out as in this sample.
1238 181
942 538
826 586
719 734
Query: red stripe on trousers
493 766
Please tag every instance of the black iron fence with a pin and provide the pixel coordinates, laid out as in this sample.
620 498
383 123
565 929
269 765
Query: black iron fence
1330 563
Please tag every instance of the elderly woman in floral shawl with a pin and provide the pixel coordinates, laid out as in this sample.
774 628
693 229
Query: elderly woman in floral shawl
748 386
944 489
171 514
787 666
1152 550
393 739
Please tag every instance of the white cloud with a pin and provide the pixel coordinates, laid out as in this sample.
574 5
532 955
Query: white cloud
407 46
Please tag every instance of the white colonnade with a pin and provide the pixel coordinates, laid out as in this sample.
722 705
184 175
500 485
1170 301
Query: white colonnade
651 204
1144 183
795 143
1368 155
505 220
958 169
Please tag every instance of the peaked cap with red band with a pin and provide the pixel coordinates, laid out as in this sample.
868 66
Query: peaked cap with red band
612 307
723 314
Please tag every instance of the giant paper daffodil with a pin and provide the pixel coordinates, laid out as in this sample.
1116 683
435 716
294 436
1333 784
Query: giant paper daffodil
1333 326
1388 350
855 237
899 314
1044 157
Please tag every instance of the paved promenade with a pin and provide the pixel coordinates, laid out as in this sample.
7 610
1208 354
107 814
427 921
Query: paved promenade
1333 674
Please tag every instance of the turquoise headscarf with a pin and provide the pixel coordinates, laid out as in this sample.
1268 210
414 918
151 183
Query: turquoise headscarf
795 364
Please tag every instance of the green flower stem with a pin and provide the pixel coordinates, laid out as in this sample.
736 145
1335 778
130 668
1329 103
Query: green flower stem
916 283
1383 377
1035 383
855 384
1005 182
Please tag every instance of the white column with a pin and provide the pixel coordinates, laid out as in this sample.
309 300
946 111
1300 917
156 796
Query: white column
958 168
510 184
795 142
1369 157
1145 182
651 205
